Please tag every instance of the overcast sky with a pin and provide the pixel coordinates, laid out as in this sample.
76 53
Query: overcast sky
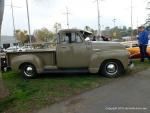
44 13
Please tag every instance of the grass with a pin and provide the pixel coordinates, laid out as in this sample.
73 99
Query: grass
28 95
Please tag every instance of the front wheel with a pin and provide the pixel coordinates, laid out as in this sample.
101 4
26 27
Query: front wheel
111 68
28 71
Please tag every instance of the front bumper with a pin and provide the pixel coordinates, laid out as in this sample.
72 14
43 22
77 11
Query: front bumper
130 64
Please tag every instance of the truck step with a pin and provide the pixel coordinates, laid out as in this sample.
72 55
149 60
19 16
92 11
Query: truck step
66 71
50 67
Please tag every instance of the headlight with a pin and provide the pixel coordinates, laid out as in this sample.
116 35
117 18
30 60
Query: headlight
129 55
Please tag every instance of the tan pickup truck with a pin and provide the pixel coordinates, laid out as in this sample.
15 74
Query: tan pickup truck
72 54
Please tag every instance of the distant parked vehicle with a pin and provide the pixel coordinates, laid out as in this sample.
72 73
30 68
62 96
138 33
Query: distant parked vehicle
18 49
133 49
25 48
12 49
1 50
135 52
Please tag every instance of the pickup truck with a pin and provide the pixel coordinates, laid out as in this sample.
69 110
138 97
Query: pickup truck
72 54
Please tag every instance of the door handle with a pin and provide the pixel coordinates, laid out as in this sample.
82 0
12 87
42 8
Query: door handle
64 47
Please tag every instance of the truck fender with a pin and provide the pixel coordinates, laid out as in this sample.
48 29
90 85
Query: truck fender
98 58
20 60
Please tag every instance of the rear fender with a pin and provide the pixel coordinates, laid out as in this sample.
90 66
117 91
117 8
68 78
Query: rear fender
18 61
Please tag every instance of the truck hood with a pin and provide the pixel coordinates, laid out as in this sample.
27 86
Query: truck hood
106 45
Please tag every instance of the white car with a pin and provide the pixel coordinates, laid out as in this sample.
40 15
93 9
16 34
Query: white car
12 49
25 48
18 49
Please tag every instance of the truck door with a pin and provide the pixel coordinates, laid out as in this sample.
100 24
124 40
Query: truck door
72 51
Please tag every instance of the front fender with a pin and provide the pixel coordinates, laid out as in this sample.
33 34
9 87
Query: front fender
99 57
17 61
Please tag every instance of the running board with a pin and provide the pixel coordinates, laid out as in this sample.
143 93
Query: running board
67 71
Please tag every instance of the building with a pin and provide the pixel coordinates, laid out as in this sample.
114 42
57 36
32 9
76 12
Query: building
8 41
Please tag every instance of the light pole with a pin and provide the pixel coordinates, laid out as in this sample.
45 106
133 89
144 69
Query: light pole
29 29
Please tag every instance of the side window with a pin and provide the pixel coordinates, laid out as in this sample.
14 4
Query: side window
70 38
75 38
78 38
65 38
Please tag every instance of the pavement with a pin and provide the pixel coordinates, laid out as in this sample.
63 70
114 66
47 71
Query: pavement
130 94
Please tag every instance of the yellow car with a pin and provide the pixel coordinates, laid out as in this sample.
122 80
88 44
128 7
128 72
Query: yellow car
135 52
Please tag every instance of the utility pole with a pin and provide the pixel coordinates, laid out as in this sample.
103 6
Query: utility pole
148 8
99 21
114 20
67 14
114 30
13 20
131 19
29 28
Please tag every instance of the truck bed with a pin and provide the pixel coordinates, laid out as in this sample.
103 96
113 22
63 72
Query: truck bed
48 56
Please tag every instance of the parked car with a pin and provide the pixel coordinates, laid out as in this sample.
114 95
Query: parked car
72 54
1 49
135 52
133 49
12 49
25 48
18 49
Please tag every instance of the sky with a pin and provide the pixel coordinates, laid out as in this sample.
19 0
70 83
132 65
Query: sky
44 13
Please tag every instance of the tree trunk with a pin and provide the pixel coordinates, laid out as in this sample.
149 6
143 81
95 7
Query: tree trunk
3 90
1 13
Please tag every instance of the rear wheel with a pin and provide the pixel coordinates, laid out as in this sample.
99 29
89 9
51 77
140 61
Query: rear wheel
111 68
28 71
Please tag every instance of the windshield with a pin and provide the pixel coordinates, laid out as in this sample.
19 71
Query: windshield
86 34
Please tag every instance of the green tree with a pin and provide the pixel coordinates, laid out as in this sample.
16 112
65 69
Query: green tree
118 32
44 35
22 36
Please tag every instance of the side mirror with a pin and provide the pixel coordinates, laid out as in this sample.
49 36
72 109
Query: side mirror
87 39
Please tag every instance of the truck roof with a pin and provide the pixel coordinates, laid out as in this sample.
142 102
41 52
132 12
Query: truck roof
76 30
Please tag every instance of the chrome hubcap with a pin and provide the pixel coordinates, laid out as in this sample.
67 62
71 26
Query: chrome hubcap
111 68
28 71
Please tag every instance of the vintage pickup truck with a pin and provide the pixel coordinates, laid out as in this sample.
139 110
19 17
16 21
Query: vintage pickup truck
72 54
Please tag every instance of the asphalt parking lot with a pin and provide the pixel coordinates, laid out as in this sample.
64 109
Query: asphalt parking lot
128 95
